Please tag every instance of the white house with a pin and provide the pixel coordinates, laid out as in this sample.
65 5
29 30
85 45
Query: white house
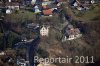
75 4
33 2
44 31
13 6
92 1
8 11
37 10
79 8
71 33
2 53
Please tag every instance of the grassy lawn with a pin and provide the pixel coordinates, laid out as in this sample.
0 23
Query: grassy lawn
92 14
21 16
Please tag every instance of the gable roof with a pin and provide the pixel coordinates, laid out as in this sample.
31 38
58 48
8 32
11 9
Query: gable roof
60 0
12 4
73 31
47 12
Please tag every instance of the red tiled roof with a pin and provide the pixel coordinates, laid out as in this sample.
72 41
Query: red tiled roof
47 12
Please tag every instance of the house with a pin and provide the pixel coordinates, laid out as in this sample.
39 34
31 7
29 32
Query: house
75 4
33 2
36 9
8 11
71 33
45 4
78 4
80 8
9 6
45 8
92 1
44 31
13 5
4 9
48 7
48 12
2 53
71 2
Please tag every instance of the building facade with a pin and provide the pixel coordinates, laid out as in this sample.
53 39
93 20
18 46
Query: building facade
44 31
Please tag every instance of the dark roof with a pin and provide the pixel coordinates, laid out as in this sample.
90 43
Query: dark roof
13 3
72 1
70 30
73 31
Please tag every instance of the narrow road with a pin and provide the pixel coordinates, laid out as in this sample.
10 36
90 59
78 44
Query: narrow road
31 49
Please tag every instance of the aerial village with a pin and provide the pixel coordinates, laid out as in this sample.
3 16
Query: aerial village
50 15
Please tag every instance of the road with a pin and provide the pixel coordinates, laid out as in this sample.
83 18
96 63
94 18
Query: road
31 49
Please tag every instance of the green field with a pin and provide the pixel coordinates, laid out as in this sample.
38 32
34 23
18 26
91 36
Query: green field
21 16
91 15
